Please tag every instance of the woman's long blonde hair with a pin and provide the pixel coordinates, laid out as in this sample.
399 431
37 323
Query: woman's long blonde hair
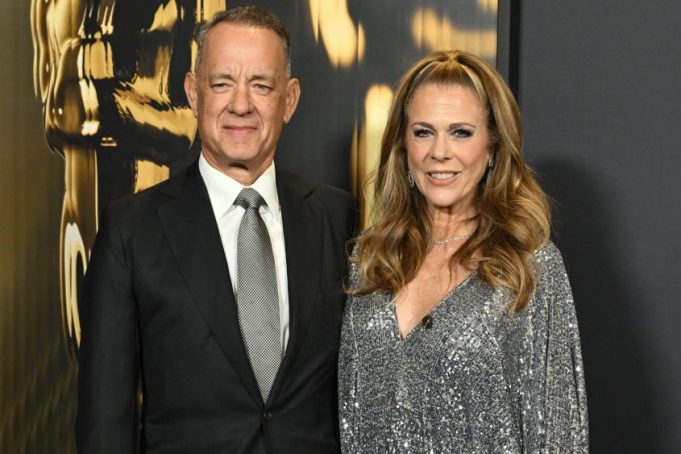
512 210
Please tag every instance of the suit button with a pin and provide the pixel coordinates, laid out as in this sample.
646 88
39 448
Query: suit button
267 417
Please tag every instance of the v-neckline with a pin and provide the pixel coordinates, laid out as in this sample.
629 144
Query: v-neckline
430 313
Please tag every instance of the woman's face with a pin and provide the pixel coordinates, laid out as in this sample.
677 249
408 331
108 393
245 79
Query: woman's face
447 146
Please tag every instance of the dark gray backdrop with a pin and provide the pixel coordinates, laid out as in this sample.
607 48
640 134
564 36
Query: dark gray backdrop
600 90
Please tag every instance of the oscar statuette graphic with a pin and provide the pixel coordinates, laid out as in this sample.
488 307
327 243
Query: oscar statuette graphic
110 83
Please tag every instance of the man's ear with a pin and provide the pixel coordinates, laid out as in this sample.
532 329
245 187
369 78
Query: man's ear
190 91
292 97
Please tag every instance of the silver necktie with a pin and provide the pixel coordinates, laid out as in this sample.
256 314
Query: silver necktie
257 296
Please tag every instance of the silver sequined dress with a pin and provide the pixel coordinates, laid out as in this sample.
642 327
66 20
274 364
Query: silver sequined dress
476 381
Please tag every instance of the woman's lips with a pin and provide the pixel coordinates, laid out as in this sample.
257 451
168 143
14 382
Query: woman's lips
442 178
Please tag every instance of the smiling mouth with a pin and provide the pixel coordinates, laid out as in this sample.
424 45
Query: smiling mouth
442 176
239 132
239 128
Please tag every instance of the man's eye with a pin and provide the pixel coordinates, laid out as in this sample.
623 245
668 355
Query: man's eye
219 85
262 88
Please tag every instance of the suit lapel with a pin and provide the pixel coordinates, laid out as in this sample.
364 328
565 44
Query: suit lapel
303 237
194 238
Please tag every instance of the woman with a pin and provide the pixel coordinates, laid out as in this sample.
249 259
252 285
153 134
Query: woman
460 332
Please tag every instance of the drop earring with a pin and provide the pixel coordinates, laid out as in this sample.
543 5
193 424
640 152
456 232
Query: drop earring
410 180
490 165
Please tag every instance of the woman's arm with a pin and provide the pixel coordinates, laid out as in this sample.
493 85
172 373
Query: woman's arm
553 398
348 375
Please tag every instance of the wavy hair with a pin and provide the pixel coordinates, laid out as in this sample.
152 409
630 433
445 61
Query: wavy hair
513 214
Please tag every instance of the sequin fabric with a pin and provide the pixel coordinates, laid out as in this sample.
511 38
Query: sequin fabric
476 381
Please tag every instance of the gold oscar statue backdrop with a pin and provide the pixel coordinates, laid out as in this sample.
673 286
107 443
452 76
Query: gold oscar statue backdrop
96 110
37 381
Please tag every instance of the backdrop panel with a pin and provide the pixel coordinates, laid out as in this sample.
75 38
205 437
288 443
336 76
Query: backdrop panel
37 382
601 95
108 75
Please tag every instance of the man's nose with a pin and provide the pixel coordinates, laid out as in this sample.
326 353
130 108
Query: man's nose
240 103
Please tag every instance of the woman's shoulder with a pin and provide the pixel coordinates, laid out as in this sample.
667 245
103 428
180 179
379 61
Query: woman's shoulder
548 255
553 280
354 245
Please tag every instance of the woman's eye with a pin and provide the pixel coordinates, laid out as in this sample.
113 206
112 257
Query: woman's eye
462 133
421 133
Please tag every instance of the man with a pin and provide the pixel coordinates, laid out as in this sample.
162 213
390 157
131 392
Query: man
233 331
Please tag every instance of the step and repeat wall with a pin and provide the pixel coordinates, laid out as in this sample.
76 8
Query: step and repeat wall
94 109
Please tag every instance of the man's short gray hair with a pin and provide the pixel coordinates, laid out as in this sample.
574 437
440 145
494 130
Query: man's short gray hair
251 16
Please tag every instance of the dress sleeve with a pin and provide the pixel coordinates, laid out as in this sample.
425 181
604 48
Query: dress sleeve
109 352
348 374
552 393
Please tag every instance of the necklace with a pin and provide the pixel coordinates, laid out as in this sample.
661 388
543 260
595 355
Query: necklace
453 238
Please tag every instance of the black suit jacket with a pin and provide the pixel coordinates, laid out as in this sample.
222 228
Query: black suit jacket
158 303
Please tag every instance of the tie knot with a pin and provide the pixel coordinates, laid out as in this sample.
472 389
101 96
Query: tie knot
249 198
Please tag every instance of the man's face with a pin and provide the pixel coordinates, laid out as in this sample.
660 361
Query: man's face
242 95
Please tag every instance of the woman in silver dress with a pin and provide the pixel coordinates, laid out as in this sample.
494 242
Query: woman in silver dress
460 332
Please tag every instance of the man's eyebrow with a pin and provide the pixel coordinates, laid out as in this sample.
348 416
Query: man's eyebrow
258 77
221 75
262 77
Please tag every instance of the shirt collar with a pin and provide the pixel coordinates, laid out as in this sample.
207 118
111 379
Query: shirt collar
223 189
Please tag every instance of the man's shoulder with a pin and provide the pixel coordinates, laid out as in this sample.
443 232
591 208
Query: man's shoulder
315 192
339 207
146 201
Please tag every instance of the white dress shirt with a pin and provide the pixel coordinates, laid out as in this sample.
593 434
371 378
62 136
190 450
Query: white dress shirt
223 191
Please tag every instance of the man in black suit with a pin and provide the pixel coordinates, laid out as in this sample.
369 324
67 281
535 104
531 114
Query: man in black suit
159 294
